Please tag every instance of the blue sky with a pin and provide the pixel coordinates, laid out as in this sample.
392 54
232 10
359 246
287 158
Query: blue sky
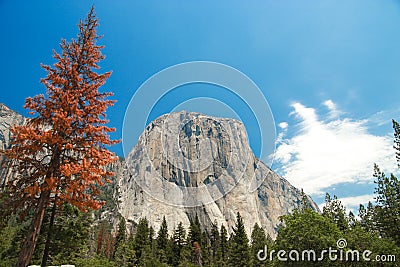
327 68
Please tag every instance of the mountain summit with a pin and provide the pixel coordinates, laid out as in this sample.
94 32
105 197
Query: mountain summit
187 164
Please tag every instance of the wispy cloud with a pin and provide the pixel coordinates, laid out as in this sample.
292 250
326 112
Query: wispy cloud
334 112
330 150
383 117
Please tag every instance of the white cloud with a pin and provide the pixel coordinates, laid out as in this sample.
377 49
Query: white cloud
354 202
333 110
329 104
283 125
323 153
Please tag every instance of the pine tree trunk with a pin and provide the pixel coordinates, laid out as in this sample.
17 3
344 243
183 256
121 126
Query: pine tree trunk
49 233
29 245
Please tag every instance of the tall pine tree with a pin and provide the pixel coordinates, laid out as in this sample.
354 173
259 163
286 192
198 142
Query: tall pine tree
239 254
367 217
223 246
60 155
162 242
258 242
195 240
335 211
215 241
396 128
195 231
387 209
120 239
141 240
177 245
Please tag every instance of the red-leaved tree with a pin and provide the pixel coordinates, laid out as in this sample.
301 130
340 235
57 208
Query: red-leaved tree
61 154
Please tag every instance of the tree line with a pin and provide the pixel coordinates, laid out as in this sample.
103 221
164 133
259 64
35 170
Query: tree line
88 239
85 239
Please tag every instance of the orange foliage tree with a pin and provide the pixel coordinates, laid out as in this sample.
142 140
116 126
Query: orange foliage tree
61 154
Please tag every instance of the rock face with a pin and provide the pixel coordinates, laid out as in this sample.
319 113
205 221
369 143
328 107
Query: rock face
188 163
8 118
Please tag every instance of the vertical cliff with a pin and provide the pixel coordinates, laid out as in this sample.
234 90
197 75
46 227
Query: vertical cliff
188 163
8 118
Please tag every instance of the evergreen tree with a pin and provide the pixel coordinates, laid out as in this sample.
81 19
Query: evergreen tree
367 217
304 201
177 245
162 242
130 256
215 240
239 254
120 239
335 211
258 242
60 154
195 240
124 255
352 221
205 249
172 251
195 231
154 255
387 209
141 240
223 246
396 128
152 241
147 258
9 240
